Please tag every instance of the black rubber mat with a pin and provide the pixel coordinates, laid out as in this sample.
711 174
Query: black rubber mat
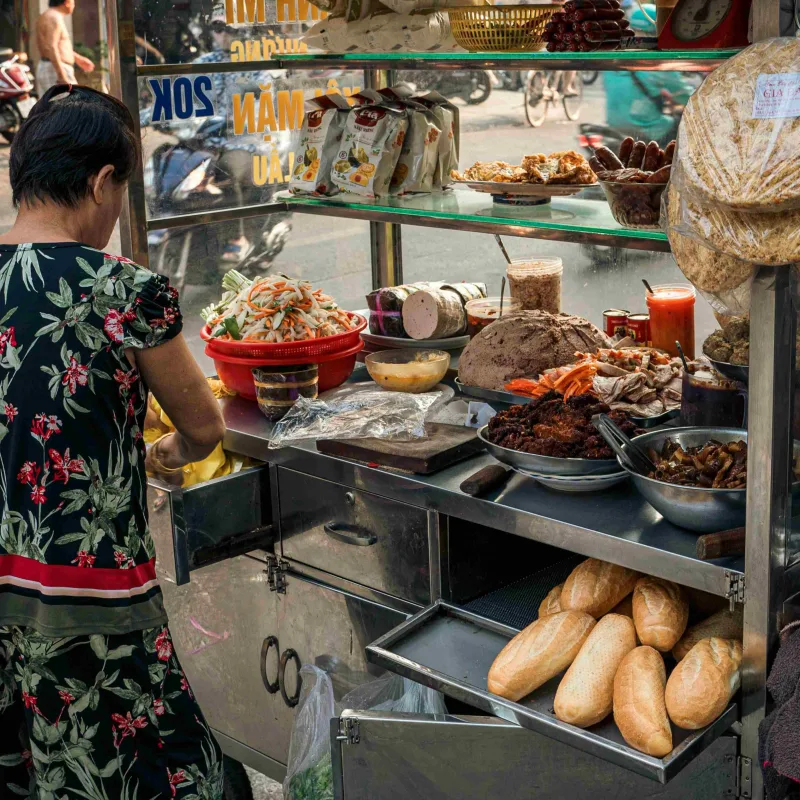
517 604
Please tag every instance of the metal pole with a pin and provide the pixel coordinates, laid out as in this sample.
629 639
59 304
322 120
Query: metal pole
769 460
386 247
124 85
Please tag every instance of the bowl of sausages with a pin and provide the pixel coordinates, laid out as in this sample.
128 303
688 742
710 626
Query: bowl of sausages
634 180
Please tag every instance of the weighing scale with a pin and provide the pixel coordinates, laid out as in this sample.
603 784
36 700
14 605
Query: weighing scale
706 24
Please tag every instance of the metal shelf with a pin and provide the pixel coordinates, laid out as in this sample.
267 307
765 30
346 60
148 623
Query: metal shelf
639 60
617 525
564 219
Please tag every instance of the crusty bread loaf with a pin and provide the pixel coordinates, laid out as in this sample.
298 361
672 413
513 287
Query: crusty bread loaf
639 709
596 587
624 607
585 694
701 686
722 625
660 612
539 653
552 603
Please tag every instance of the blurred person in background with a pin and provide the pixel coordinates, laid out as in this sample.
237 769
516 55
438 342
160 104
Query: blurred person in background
93 699
57 59
645 105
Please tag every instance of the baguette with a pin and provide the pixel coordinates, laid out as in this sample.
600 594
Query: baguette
585 694
722 625
660 612
552 603
701 686
596 587
639 708
538 653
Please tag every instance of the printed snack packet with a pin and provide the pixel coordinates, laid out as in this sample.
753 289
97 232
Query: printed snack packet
371 146
320 139
447 118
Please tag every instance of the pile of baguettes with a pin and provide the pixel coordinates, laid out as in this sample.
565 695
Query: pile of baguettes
591 624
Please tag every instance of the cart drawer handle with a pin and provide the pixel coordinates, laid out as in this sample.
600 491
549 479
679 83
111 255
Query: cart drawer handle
348 535
271 687
290 655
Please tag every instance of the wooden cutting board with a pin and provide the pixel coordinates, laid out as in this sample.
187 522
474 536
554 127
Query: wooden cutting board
445 445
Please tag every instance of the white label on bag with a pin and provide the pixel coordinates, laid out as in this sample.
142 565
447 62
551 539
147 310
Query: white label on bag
777 96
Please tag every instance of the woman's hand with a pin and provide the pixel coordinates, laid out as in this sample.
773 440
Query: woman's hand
164 460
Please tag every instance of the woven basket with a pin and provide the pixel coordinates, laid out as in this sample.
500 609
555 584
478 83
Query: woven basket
492 29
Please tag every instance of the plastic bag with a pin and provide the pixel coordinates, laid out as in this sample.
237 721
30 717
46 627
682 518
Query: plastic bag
740 132
355 412
309 775
396 694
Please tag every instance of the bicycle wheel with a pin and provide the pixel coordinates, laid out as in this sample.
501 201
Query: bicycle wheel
590 77
573 98
537 98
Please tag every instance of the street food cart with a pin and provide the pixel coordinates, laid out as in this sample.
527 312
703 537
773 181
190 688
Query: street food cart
358 569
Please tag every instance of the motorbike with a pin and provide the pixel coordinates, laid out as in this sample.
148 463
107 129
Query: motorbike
194 175
473 86
16 86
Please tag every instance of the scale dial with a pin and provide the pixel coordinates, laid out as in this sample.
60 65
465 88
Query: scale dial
695 19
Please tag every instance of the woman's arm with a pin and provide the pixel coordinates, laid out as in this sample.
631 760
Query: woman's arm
175 379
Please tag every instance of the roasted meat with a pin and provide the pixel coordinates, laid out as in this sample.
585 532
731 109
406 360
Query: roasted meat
710 466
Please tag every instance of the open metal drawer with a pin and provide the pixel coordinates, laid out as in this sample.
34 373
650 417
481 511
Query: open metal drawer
211 521
450 649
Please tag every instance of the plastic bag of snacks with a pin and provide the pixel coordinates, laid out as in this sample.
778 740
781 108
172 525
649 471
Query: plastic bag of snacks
416 33
333 36
320 139
371 145
446 117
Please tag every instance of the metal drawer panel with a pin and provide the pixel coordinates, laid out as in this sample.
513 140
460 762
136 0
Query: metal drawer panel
360 536
210 521
451 650
400 756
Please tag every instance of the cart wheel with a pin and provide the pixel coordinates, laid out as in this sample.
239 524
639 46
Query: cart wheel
574 100
237 784
480 88
537 98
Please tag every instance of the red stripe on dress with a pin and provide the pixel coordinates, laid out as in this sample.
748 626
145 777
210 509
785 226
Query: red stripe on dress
78 577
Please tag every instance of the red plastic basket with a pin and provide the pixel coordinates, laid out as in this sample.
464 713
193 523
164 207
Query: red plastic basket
306 352
236 372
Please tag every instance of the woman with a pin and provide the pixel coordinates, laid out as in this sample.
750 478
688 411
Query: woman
94 703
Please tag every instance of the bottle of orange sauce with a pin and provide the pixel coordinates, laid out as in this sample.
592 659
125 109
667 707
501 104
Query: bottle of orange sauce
671 310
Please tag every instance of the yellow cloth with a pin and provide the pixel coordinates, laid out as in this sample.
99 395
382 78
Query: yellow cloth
216 465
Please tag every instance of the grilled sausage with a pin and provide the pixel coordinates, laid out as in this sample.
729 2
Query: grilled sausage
660 175
650 163
637 155
625 150
605 156
669 152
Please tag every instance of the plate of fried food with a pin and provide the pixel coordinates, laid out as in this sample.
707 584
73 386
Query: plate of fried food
536 180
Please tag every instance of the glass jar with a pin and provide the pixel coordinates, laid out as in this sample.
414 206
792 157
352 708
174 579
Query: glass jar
536 283
671 310
485 310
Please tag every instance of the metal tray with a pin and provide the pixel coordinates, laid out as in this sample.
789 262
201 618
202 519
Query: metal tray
451 650
549 465
511 399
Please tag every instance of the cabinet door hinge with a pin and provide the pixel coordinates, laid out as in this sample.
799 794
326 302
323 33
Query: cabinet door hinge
276 573
744 777
348 731
735 593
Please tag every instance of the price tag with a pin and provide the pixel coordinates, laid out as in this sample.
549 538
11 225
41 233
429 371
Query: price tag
777 96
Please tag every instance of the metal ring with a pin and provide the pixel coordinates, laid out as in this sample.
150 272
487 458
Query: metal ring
272 687
290 655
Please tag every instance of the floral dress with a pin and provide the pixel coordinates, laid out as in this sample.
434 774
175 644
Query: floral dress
93 700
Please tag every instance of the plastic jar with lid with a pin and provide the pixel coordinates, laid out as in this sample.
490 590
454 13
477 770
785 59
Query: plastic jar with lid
485 310
536 283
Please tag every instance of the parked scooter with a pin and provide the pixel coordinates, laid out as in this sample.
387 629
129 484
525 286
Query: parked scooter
201 173
473 86
16 86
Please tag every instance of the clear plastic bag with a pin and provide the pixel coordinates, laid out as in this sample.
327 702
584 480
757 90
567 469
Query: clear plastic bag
309 775
395 694
355 412
740 132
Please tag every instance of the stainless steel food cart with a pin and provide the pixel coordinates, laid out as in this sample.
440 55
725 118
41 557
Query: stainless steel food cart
315 559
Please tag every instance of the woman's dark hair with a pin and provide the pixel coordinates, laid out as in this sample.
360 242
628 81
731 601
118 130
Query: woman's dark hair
56 3
70 135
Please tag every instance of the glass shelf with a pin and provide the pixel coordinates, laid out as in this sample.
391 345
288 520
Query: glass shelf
573 219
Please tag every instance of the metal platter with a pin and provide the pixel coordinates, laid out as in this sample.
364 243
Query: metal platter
398 342
542 191
576 485
734 372
548 465
511 399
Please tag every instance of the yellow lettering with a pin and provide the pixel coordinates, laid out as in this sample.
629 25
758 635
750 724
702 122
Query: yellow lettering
229 18
237 51
259 170
269 47
266 113
255 10
244 112
290 109
275 173
287 11
253 50
291 167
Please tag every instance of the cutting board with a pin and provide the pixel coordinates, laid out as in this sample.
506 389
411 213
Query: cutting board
444 445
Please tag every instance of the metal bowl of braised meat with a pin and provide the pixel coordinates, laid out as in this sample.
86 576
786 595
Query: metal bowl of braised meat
700 478
555 437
